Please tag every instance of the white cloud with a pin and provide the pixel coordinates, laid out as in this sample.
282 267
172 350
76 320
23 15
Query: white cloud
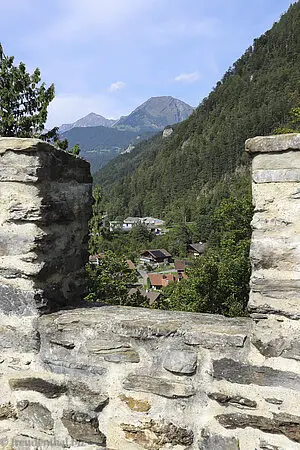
116 86
188 77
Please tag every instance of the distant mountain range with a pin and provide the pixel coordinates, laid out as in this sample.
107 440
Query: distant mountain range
91 120
155 114
185 176
102 139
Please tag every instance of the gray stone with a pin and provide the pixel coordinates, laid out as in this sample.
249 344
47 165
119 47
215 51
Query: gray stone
95 401
42 259
7 411
158 386
101 346
216 339
180 361
236 372
83 427
66 344
47 388
72 367
235 400
266 446
285 424
276 143
276 301
153 435
274 401
285 347
273 338
12 338
36 415
276 176
212 441
122 356
17 301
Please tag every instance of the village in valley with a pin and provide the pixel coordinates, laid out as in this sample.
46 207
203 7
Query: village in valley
155 268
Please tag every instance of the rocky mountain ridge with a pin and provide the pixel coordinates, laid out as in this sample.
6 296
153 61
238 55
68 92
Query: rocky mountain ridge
155 114
101 139
90 120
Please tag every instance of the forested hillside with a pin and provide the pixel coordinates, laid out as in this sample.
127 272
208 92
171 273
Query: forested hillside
185 176
100 144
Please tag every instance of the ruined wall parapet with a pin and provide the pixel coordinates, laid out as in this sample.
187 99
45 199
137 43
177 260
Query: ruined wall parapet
45 203
123 378
275 249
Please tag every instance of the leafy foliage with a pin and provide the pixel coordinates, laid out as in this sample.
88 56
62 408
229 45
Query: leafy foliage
109 281
200 174
190 172
24 100
219 281
293 124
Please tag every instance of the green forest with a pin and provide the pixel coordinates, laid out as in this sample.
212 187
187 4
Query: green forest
198 179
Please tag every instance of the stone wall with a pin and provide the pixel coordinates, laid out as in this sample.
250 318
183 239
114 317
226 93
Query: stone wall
45 203
132 379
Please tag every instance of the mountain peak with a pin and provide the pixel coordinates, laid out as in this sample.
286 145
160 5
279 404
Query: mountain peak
90 120
156 113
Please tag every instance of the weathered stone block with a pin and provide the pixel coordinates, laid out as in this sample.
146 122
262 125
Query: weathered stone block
83 427
95 401
47 388
159 386
7 411
122 356
154 435
285 424
236 372
36 415
14 338
213 441
41 190
274 339
234 400
180 361
273 144
135 404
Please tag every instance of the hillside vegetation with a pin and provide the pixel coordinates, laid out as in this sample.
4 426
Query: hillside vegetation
185 176
198 179
100 144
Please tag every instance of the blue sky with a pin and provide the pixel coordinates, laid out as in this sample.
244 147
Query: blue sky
108 56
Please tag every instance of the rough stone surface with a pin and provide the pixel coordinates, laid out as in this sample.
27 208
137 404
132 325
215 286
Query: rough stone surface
83 427
285 424
21 337
235 400
212 441
154 435
277 143
122 356
275 278
42 190
159 386
135 404
36 415
181 361
125 378
237 372
285 343
47 388
94 400
7 411
266 446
